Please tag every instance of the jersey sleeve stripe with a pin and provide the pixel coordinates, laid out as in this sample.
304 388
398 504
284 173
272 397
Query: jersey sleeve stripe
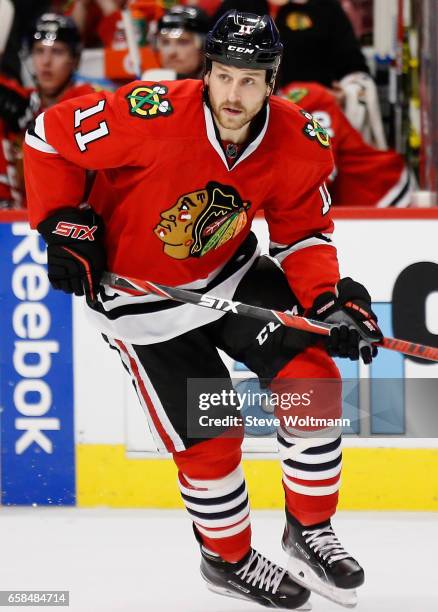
281 251
37 143
36 136
399 195
40 129
325 195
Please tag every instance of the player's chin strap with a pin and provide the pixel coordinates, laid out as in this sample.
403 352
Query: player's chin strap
136 287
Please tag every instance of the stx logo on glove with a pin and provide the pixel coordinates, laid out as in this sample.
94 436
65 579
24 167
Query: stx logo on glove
73 230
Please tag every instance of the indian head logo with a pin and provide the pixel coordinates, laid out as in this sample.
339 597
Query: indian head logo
201 221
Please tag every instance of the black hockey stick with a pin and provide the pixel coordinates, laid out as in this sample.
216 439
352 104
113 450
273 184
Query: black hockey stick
136 287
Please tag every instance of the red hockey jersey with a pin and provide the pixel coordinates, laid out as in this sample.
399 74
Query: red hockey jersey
364 176
174 211
11 172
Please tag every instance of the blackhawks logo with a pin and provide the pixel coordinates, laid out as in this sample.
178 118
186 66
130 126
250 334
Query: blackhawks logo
298 21
148 103
202 221
297 94
314 131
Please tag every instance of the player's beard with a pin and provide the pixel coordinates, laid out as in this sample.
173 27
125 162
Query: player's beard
236 122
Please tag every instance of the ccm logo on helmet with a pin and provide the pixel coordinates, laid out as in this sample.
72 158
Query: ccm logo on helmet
240 49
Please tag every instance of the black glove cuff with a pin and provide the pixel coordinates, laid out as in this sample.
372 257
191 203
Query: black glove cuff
324 304
348 289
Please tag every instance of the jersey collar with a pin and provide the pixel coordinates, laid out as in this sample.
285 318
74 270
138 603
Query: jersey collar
252 145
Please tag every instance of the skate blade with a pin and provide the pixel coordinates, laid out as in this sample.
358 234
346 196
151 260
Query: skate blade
223 591
303 575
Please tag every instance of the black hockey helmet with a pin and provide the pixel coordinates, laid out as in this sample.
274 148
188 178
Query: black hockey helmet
245 40
51 27
184 19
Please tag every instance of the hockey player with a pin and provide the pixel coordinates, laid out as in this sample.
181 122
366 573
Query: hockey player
363 175
180 41
183 168
320 34
55 50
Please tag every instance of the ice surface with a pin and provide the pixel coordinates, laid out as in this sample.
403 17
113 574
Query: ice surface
147 561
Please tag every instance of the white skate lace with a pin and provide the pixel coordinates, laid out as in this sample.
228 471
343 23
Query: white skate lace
268 574
325 543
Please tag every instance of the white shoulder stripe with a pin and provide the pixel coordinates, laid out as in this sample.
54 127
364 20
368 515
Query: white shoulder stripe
38 144
40 129
39 141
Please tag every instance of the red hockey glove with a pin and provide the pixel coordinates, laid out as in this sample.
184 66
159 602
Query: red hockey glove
75 251
356 326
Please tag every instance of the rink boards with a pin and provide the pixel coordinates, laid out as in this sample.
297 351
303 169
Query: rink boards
72 431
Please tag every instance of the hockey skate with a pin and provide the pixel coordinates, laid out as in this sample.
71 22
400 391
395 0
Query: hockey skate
254 579
318 561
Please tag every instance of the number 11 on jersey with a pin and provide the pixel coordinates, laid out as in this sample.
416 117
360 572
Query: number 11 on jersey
84 138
